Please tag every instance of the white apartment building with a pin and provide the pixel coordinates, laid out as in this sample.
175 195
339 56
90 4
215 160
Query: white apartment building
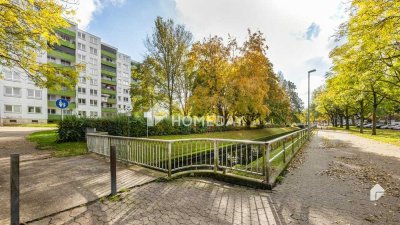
102 89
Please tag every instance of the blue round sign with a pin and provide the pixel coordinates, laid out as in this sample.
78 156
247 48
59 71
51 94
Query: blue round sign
62 103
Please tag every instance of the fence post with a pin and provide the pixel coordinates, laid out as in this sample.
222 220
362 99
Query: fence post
113 169
14 188
293 136
267 168
216 156
284 150
169 159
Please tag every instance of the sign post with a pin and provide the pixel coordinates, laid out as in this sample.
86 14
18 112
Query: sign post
62 104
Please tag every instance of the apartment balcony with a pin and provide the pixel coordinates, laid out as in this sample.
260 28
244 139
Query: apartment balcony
108 73
108 91
104 62
53 117
52 104
61 55
109 54
110 82
109 110
67 93
66 31
67 44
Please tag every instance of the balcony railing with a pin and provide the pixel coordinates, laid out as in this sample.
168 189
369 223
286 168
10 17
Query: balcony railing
108 54
108 73
68 93
61 55
111 82
67 44
110 110
108 91
54 117
66 31
104 62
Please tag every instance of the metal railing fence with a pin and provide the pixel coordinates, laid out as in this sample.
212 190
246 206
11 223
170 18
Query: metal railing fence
263 160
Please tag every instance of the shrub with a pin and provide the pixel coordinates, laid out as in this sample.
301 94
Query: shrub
73 128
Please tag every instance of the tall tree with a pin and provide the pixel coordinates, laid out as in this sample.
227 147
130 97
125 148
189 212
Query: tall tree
27 29
213 91
167 47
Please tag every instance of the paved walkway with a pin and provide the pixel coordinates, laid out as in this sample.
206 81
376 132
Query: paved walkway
183 201
50 185
330 182
13 140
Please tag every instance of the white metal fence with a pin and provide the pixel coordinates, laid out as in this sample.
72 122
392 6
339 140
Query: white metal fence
262 160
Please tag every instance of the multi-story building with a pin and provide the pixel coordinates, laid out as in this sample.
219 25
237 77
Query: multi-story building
102 89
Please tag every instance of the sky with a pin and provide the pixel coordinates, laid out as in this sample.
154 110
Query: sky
299 33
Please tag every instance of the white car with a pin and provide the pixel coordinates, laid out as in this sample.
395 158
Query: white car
396 127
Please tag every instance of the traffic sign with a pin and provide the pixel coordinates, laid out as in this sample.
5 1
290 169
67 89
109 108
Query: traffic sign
61 103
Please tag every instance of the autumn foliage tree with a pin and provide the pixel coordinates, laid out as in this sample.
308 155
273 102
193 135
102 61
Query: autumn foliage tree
27 29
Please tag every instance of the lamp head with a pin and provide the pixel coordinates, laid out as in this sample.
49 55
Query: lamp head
312 71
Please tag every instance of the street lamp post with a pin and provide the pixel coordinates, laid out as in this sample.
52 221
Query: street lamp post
308 108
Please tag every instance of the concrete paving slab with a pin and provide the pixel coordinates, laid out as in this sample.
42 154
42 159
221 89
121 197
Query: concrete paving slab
55 184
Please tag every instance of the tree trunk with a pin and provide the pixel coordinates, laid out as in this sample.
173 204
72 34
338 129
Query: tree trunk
347 118
341 121
374 108
362 117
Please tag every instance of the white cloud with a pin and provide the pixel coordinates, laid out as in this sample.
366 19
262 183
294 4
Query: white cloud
281 21
87 8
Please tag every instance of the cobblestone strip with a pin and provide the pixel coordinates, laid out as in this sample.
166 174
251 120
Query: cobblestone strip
186 201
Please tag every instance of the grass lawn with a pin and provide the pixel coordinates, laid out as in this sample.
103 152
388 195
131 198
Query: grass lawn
383 135
47 140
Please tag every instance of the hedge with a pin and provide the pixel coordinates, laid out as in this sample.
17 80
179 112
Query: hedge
73 128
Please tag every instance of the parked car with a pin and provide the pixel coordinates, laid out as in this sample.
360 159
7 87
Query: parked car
380 125
368 125
397 127
385 126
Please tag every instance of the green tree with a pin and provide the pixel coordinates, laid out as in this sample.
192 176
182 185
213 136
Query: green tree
166 51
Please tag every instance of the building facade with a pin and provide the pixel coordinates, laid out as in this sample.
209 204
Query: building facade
103 88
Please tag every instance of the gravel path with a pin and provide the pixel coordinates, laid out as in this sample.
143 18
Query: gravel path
332 181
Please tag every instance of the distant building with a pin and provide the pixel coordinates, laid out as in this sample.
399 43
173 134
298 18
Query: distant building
103 88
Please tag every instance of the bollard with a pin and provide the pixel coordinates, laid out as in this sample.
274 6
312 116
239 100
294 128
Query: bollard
14 188
113 169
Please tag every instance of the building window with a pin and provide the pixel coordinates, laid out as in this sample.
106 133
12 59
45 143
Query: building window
12 108
93 92
82 80
81 47
82 35
126 99
93 82
51 97
12 91
94 114
126 91
36 94
35 109
81 58
93 72
93 51
9 75
93 61
51 59
81 90
51 111
82 113
65 63
81 101
93 102
93 40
